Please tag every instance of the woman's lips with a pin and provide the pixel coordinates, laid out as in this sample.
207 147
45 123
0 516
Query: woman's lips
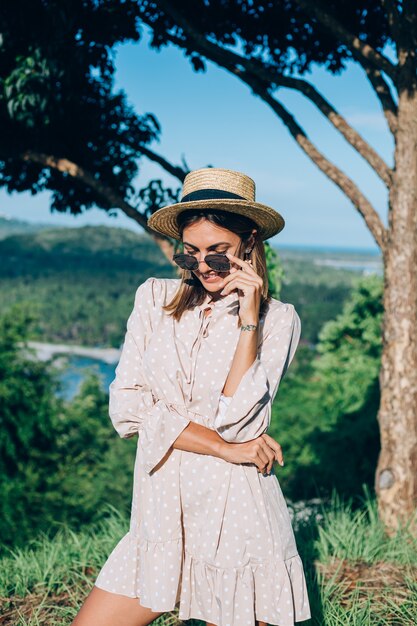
210 279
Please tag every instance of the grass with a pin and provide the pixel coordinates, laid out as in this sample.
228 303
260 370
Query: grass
356 574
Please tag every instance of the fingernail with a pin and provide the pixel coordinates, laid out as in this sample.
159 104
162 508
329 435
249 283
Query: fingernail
281 462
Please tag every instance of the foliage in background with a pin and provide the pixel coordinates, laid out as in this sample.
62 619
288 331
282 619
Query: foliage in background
28 419
64 127
80 281
325 412
60 462
275 270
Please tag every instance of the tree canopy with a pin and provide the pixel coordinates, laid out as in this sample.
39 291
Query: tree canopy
64 128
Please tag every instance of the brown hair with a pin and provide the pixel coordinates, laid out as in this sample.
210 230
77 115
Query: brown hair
191 292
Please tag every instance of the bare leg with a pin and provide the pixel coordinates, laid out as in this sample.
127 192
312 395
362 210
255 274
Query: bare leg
102 608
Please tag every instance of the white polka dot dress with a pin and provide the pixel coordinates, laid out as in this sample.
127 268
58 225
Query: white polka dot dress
209 536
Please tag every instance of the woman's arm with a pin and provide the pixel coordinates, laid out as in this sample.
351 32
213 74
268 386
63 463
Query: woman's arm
202 440
254 378
132 407
245 355
248 413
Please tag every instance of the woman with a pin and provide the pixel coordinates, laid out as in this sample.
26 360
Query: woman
200 366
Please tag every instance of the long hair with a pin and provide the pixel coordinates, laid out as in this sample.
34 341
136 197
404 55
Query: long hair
191 292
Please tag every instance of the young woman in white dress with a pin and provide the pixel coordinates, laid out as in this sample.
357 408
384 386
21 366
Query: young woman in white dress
221 190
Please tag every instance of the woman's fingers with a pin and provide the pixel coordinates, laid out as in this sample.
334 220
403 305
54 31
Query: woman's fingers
262 452
245 265
265 457
275 447
240 282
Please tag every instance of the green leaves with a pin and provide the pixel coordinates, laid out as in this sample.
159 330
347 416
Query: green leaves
275 270
325 413
32 89
59 461
57 101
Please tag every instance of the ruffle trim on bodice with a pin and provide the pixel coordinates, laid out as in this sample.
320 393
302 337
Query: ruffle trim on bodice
272 591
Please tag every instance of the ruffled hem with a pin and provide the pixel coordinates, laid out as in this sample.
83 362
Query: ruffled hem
162 576
271 591
148 570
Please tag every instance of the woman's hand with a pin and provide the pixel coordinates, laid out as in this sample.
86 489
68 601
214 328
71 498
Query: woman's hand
262 451
249 285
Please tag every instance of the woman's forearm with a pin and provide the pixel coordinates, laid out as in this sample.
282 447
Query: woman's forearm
200 439
244 356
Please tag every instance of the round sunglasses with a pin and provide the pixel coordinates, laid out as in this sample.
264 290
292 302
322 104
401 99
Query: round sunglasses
217 262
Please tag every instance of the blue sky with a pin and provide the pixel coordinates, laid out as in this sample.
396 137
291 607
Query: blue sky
214 119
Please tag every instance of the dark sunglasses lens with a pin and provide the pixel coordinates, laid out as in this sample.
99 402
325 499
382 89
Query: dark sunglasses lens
218 262
185 261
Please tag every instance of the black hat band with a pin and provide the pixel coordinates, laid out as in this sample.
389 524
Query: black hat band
210 194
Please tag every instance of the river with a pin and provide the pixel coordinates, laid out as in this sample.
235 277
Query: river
74 361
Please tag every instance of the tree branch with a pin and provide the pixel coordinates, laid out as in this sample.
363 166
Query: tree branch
235 63
338 121
66 166
384 95
175 170
393 19
363 52
349 188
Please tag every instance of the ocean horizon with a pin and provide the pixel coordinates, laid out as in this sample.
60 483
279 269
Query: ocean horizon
325 249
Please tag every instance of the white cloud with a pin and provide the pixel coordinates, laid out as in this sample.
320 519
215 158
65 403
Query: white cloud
370 120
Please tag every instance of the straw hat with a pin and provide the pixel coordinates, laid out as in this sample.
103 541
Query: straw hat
218 188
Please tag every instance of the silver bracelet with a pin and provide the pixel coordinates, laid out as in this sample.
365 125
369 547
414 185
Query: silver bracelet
249 327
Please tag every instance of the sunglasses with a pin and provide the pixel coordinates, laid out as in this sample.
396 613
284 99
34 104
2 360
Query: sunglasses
217 262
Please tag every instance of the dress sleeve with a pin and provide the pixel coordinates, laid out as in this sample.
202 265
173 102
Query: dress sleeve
132 406
221 409
248 412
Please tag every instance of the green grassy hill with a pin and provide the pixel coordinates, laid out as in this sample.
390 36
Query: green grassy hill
80 281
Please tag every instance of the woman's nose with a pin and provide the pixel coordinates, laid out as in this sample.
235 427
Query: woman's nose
203 267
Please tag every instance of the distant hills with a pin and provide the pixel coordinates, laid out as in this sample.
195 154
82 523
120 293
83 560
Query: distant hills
72 246
11 226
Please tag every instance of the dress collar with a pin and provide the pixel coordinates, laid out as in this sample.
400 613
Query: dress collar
223 302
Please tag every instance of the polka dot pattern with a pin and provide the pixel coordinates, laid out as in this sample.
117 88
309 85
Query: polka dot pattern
213 537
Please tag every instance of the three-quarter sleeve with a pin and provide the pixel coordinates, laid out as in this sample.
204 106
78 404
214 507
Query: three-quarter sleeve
221 409
247 414
132 406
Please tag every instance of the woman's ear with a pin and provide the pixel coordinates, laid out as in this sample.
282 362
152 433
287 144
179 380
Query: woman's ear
251 241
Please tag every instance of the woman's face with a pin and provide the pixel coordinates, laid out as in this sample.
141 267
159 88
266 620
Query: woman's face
204 238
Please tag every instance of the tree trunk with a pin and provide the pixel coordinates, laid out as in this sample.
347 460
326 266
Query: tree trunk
396 475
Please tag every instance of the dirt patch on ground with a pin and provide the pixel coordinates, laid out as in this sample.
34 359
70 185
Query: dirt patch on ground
361 581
